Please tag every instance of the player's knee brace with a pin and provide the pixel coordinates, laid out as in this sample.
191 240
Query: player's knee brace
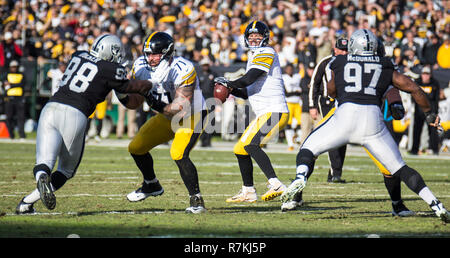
411 178
41 167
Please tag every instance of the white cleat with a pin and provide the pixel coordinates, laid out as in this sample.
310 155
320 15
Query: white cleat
440 211
296 186
24 208
246 194
291 205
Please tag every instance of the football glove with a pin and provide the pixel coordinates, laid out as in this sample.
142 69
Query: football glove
222 80
397 110
154 103
430 117
122 97
161 72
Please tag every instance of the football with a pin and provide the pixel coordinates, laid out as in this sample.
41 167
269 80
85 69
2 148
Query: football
221 92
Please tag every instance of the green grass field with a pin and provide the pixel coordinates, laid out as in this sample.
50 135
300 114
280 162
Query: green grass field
93 203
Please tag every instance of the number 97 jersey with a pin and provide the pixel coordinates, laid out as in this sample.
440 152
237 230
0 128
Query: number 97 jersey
361 79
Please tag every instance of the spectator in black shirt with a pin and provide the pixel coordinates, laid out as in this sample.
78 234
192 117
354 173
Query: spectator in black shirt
431 88
15 101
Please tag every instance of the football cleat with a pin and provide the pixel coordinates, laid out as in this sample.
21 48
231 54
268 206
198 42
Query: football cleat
440 211
296 186
197 204
291 205
399 209
244 195
334 179
46 192
297 201
273 192
24 208
146 190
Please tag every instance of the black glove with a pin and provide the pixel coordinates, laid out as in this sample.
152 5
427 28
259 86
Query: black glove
430 117
397 110
154 103
222 80
150 99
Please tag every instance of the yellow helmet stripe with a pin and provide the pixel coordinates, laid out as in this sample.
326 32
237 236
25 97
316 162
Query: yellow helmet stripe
254 24
148 40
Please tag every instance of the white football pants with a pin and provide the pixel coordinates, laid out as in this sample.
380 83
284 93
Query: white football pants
356 124
60 134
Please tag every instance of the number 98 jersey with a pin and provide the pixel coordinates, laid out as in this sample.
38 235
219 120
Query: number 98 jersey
361 79
87 81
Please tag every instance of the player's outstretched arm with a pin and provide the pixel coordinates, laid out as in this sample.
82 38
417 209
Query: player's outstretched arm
404 83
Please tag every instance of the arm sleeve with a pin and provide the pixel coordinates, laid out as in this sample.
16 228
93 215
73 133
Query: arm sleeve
250 77
240 93
316 81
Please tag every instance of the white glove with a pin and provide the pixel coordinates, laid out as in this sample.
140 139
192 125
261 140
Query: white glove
161 72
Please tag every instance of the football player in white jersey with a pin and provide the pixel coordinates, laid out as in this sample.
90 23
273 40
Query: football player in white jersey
358 82
177 98
263 86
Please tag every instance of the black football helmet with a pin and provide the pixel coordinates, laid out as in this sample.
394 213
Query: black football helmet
257 27
159 43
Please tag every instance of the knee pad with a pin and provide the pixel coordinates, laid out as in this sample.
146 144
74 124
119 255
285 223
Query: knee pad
136 148
411 178
41 167
239 148
306 157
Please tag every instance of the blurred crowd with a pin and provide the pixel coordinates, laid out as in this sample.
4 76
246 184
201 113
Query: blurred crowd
415 33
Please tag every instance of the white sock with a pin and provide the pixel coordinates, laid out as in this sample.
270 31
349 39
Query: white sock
302 170
38 174
427 195
275 182
32 197
248 189
289 137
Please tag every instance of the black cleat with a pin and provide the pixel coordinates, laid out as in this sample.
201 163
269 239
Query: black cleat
146 190
45 190
399 209
197 204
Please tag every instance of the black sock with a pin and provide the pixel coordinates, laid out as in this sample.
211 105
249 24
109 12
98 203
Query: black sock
306 157
58 179
145 164
188 173
393 187
41 167
261 159
246 167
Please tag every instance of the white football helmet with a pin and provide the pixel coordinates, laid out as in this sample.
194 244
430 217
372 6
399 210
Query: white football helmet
363 42
108 47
